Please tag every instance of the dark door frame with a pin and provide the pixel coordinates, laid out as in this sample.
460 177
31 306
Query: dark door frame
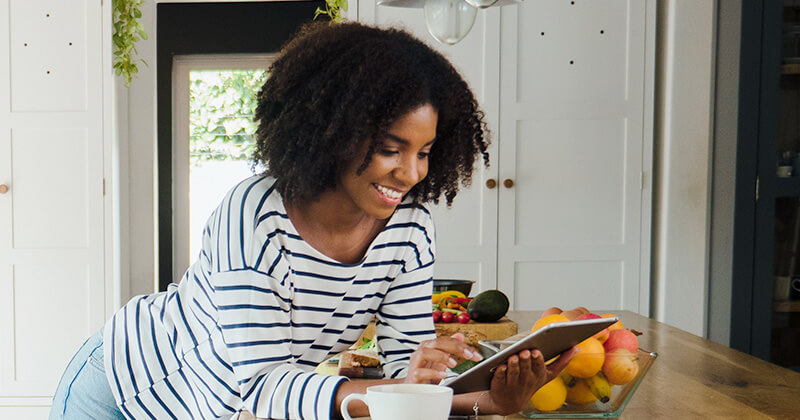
756 189
208 28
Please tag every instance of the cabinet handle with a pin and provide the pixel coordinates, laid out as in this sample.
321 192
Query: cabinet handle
508 183
491 183
3 189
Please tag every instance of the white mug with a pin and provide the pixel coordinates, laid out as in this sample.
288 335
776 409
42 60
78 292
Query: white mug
404 402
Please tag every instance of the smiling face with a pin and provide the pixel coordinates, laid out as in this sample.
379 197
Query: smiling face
396 166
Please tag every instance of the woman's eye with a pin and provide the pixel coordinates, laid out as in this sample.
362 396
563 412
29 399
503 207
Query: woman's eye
423 155
388 152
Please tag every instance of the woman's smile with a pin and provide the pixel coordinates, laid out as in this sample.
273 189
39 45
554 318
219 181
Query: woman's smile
389 195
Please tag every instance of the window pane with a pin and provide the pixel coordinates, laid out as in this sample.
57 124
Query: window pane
221 127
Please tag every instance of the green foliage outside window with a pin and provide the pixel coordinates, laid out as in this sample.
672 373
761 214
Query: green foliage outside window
221 108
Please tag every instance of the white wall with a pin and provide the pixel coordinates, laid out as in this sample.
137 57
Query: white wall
683 132
137 107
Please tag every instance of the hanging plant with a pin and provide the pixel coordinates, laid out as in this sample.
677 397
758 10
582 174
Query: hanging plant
333 9
127 32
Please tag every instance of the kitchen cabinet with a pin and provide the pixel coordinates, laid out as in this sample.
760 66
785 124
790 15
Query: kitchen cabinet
562 216
765 316
54 291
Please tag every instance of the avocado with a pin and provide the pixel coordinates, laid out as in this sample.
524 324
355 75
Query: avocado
488 306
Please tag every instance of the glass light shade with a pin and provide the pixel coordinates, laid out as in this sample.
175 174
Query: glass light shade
419 4
483 4
411 4
449 21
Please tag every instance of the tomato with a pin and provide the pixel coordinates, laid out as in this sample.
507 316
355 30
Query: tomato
448 317
437 316
463 318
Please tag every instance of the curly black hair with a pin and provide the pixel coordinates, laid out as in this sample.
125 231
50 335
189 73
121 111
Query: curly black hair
334 86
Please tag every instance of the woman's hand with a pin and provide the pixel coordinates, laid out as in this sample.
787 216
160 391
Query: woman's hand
515 381
429 364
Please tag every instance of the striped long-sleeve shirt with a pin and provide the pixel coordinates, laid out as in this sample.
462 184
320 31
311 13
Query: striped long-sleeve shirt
260 308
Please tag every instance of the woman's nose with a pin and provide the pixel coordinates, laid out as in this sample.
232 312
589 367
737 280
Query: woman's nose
410 171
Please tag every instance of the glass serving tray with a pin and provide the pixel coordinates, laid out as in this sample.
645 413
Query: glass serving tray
620 396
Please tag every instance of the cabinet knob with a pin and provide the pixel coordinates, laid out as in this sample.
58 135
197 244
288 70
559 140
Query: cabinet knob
3 188
508 183
491 183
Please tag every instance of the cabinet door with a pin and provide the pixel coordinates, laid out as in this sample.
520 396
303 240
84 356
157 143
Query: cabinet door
51 217
467 232
572 89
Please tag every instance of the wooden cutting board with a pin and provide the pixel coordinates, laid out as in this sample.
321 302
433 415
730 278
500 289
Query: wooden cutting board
476 331
473 331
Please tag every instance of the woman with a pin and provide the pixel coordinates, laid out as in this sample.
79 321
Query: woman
358 127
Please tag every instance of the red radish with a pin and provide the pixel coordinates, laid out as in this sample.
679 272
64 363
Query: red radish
448 317
437 316
463 318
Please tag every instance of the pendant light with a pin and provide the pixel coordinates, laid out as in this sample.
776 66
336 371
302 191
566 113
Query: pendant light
448 21
483 4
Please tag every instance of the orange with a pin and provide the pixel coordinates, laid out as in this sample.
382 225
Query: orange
551 311
550 396
615 326
549 319
589 359
580 393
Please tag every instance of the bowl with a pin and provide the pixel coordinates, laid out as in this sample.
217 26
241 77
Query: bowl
620 396
442 285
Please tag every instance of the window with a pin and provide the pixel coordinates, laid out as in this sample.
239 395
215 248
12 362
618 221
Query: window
214 99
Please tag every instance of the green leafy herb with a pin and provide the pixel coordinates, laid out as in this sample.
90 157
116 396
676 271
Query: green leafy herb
464 366
128 30
369 344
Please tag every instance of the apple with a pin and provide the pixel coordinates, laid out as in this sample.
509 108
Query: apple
623 339
620 366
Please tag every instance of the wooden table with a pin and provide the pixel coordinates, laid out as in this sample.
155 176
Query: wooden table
697 378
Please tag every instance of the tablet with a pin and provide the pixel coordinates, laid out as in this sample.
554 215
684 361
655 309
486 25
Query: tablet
551 340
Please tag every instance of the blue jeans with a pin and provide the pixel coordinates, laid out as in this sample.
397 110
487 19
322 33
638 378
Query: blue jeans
83 391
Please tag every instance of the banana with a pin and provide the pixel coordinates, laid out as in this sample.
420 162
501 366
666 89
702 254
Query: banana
568 379
600 387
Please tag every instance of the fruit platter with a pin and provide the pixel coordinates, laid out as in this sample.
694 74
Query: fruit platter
599 381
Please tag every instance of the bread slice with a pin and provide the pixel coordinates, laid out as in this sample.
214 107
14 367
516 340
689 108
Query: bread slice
360 364
359 358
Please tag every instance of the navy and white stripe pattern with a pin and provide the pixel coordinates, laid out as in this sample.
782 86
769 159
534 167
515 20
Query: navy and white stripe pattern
260 308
